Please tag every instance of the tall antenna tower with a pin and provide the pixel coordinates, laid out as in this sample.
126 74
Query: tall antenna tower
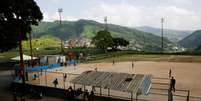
105 20
162 47
60 10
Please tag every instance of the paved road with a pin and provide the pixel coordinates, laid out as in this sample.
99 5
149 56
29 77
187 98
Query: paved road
5 79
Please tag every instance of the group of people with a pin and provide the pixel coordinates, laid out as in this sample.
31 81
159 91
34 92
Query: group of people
71 94
132 63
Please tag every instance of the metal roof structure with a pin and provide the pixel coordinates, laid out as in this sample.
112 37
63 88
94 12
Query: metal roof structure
25 57
133 83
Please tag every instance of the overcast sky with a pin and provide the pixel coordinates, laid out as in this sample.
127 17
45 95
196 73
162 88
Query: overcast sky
178 14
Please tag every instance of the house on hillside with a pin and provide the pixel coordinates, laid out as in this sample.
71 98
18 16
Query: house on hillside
78 42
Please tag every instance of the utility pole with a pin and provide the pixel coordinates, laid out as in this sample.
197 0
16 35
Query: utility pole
105 20
20 51
144 40
21 71
60 10
30 45
162 47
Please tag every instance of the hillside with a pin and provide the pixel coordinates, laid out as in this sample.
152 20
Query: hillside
42 42
198 48
172 35
88 29
192 41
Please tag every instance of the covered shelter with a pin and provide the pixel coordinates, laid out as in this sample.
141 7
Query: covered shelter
135 84
25 57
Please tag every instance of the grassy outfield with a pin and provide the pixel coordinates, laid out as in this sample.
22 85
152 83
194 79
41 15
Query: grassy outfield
149 57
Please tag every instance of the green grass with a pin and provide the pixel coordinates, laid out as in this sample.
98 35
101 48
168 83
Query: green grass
42 42
145 57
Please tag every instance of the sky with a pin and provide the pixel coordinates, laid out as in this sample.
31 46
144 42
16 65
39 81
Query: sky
178 14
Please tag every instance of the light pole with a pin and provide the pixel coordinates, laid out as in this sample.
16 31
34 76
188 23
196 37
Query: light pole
30 45
21 72
105 20
162 21
60 10
144 42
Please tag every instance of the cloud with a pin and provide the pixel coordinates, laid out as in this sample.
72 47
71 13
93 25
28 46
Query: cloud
55 16
130 15
176 17
55 1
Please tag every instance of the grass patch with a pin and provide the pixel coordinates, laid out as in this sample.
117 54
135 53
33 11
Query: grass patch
150 57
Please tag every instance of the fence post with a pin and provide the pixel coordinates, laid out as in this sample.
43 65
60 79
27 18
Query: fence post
39 77
46 78
170 73
136 96
74 86
64 80
100 91
170 95
187 99
108 91
131 96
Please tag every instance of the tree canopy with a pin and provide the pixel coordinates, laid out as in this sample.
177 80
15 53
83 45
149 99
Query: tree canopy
17 16
118 42
103 40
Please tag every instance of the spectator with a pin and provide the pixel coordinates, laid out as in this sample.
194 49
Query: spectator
67 95
86 95
65 76
92 95
34 77
70 94
55 82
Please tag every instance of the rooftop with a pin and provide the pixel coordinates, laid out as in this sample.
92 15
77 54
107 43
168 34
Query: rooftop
133 83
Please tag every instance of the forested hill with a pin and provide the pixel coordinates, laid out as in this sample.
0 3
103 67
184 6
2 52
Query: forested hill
170 34
88 29
192 41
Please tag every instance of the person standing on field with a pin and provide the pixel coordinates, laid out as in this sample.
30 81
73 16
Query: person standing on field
113 62
170 73
55 82
173 82
65 76
132 64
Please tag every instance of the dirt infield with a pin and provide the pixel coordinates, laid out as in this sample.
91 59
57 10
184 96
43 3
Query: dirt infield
187 75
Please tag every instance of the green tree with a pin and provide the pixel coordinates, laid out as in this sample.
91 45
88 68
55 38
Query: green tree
119 42
17 16
103 40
